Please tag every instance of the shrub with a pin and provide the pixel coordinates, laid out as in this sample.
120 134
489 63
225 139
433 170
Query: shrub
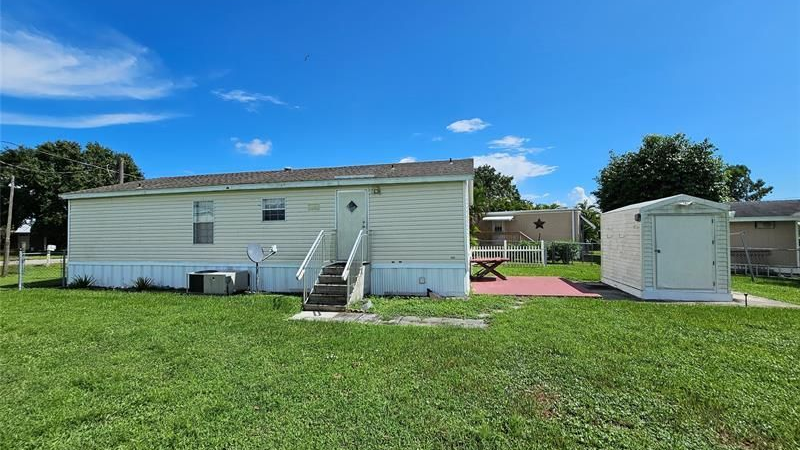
143 283
82 282
563 252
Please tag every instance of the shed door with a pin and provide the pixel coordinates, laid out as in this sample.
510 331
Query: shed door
351 217
685 252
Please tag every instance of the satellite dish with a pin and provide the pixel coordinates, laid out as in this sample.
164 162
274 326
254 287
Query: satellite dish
255 253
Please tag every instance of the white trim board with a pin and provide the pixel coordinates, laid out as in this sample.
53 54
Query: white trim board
268 186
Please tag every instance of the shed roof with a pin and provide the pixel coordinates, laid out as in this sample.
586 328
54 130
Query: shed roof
772 208
671 199
453 167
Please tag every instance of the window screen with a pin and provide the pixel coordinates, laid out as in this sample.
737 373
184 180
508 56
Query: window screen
203 218
273 209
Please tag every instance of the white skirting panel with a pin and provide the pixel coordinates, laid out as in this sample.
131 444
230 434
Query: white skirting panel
451 280
272 278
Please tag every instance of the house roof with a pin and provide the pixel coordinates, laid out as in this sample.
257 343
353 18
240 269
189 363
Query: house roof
452 168
773 209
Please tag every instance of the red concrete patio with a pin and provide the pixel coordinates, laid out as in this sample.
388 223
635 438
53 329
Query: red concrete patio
531 286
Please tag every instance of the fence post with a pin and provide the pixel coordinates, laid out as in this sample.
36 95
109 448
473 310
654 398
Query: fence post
505 249
64 269
20 269
544 252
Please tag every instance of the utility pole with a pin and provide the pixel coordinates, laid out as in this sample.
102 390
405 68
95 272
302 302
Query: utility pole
121 170
8 227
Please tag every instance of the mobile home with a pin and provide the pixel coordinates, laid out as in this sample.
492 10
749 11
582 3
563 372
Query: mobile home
405 224
563 224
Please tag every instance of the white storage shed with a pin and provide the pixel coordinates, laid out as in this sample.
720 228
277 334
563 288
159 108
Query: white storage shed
674 248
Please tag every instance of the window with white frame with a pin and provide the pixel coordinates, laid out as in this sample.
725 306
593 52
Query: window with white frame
273 209
203 218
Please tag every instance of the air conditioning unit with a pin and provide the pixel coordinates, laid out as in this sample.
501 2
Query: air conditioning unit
218 282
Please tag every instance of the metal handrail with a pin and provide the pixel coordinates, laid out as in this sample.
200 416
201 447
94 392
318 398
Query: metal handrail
356 246
318 256
302 270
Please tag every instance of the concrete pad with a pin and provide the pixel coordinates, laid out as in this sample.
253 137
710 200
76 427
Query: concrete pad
532 286
374 319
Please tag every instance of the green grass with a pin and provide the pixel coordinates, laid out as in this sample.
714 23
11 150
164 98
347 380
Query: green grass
472 308
103 369
784 289
577 271
34 276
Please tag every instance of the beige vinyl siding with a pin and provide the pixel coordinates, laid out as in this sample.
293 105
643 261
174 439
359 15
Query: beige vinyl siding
410 222
418 223
622 250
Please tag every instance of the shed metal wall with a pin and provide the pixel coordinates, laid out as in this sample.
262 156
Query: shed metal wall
621 245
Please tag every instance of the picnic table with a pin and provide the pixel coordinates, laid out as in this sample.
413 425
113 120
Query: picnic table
488 265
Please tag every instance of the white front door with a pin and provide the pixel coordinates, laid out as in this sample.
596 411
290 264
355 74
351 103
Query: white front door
685 252
351 217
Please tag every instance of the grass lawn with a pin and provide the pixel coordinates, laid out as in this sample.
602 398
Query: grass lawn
34 276
577 271
102 369
784 289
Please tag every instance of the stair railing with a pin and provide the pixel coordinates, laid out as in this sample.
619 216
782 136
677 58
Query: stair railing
355 262
320 254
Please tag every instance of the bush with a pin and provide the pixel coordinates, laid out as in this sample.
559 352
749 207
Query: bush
563 252
143 283
82 282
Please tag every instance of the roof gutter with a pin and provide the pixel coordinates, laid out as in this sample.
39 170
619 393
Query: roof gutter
265 186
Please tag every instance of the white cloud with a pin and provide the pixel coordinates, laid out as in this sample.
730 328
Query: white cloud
255 147
35 65
408 159
89 121
578 195
515 143
535 197
251 100
517 165
437 139
467 125
508 142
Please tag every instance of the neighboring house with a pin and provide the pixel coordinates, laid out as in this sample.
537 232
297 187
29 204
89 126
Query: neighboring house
416 216
21 237
565 224
769 229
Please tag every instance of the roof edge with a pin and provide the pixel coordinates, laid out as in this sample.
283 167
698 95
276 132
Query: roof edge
264 186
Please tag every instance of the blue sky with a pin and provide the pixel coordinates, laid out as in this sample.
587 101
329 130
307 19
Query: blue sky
541 90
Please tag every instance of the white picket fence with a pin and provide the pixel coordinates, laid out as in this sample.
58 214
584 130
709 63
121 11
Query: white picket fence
531 254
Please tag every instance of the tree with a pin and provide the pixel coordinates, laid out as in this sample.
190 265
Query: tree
493 191
53 168
592 214
661 167
741 188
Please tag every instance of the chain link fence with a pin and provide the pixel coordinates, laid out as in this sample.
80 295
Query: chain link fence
34 270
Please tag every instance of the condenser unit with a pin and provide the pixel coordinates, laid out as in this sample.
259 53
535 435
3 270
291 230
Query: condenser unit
218 282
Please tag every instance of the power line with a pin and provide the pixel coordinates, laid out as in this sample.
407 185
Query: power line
30 169
107 169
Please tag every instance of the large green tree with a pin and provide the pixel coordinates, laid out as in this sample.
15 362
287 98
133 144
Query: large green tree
52 168
742 188
662 166
494 191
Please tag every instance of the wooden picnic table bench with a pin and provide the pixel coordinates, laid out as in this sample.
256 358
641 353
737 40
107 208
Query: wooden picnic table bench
488 265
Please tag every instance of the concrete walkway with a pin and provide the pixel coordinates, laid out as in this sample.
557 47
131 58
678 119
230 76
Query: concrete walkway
376 319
